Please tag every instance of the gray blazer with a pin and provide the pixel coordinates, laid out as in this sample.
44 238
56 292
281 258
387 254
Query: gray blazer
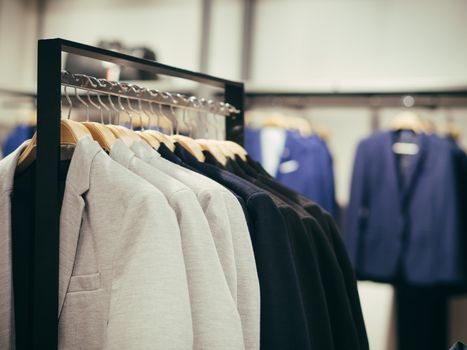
122 279
216 322
230 231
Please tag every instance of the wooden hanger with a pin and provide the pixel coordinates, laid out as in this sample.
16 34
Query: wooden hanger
407 121
226 150
101 134
70 133
190 145
122 133
161 138
207 145
150 134
236 149
151 140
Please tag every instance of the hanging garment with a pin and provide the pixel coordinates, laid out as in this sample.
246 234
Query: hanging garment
343 303
283 320
216 321
108 235
402 219
226 219
329 319
19 134
305 165
176 251
22 247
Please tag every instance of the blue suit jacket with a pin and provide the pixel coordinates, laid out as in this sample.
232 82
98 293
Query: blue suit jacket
410 232
311 171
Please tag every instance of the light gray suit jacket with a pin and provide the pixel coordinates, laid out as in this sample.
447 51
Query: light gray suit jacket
230 231
216 322
122 279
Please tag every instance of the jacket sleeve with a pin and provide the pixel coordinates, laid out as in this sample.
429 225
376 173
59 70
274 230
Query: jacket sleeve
357 209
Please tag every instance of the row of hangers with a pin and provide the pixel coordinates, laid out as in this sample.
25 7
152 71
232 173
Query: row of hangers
288 122
107 133
409 120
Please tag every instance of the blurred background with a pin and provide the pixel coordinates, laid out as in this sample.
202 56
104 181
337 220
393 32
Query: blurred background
339 70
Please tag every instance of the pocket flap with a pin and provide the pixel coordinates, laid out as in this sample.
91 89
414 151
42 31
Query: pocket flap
84 283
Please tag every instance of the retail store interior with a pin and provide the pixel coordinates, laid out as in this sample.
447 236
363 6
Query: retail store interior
338 95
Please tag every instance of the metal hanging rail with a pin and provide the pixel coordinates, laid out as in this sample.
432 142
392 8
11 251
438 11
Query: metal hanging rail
132 91
44 313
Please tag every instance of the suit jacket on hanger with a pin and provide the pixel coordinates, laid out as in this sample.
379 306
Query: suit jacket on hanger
318 252
325 220
121 266
404 229
230 231
305 166
283 319
216 322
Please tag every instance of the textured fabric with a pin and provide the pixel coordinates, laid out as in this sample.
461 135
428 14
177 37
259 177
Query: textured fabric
216 322
319 266
411 231
122 282
230 232
283 319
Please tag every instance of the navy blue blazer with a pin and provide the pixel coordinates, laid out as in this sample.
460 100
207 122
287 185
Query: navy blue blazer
305 166
395 231
283 317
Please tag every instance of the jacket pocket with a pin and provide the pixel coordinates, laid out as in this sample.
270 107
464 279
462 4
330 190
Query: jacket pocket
83 321
83 283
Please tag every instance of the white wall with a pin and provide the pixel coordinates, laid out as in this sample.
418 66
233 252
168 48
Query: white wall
171 27
350 43
18 21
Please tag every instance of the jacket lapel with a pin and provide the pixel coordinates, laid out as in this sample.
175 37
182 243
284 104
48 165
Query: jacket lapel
77 183
415 167
393 178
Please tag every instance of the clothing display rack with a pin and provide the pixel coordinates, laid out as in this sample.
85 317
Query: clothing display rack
47 203
132 91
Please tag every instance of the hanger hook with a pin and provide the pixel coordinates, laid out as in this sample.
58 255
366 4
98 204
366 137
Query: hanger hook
112 105
83 102
70 103
154 93
122 108
172 110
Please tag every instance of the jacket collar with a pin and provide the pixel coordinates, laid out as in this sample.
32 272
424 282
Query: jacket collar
145 152
8 168
77 183
121 153
413 171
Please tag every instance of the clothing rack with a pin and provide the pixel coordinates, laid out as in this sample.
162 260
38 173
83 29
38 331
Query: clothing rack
47 203
133 91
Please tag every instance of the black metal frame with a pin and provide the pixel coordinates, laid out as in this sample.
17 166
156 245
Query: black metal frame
47 221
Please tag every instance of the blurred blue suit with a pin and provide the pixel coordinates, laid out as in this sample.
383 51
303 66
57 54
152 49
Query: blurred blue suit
305 166
403 221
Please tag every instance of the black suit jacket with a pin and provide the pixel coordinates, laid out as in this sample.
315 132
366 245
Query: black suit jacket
325 243
283 320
